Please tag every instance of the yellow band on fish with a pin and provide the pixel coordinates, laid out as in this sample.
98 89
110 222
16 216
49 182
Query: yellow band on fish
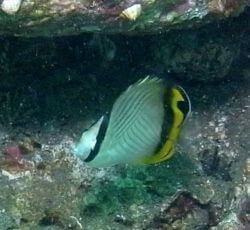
168 148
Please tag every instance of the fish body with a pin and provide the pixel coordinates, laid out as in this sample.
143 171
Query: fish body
142 127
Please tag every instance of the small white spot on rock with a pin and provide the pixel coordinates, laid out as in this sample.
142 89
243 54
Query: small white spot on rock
12 176
11 6
132 13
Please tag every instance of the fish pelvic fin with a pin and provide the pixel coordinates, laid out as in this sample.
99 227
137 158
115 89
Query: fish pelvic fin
167 150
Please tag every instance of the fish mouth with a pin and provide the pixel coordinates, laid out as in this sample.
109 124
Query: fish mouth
75 150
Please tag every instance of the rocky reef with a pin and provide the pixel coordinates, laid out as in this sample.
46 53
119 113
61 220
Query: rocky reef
67 17
51 89
205 186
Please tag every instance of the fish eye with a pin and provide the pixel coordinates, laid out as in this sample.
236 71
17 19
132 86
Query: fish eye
184 107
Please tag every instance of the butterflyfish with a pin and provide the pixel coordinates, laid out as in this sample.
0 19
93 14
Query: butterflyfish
142 127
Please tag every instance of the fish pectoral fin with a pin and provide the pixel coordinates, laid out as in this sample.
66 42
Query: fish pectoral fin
165 153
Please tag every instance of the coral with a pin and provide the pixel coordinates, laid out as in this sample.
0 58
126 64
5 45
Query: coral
13 153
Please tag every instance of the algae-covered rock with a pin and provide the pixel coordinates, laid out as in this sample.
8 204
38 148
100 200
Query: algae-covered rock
67 17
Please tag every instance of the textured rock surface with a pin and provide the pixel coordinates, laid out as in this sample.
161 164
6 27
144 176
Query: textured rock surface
68 17
183 53
204 54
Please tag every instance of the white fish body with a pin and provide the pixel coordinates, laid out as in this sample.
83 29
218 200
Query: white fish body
133 133
135 125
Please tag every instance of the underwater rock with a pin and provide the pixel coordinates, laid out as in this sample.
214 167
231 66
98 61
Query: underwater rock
184 210
67 17
205 55
238 215
6 220
29 201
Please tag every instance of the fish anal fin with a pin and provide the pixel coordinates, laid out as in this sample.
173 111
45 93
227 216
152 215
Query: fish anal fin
166 152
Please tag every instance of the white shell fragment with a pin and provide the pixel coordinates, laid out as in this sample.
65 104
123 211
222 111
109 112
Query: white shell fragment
11 6
132 13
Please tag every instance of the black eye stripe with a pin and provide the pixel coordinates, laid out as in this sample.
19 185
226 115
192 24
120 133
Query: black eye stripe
99 138
183 107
